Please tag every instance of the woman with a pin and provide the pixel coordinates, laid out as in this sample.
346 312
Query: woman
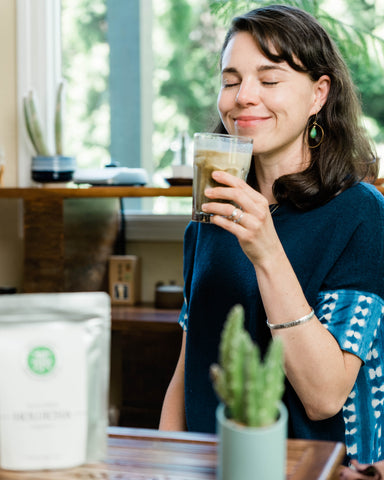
304 250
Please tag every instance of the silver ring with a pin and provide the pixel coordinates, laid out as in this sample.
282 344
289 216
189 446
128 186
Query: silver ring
233 214
237 220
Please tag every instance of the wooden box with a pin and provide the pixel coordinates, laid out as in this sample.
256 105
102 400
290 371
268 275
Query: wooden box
124 279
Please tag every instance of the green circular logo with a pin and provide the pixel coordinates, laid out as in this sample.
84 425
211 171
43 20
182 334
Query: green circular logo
41 360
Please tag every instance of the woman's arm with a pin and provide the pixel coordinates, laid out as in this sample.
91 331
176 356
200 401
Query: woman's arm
173 411
320 372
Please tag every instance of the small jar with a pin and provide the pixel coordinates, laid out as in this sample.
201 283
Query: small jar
55 168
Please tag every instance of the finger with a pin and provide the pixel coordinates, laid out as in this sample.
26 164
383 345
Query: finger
361 471
345 473
235 215
222 193
226 178
224 209
239 218
367 468
238 192
241 197
233 226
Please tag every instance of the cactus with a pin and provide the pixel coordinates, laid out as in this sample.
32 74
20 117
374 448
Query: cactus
59 119
34 125
250 389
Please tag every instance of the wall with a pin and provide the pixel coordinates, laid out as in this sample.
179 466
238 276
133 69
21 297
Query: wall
8 110
160 261
11 247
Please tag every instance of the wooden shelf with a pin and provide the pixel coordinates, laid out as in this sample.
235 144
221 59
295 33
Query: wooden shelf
127 317
91 192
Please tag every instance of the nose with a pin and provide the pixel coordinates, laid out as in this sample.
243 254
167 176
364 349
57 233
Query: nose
248 94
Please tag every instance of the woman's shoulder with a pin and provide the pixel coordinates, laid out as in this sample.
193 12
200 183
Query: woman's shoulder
364 191
359 206
362 206
361 200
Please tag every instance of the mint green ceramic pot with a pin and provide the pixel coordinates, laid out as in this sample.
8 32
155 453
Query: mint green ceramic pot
251 453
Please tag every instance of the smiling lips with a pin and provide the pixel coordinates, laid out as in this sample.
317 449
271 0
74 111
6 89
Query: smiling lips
246 121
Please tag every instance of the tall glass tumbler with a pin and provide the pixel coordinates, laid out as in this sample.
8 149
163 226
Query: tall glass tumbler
213 151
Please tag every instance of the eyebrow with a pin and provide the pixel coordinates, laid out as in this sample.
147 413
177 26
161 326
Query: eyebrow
262 68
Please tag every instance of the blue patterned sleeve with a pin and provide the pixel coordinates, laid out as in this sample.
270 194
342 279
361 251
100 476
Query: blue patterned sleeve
190 237
183 317
352 317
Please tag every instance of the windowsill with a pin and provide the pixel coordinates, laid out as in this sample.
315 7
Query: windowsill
154 227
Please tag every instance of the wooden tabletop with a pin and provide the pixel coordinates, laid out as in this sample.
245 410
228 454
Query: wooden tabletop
141 454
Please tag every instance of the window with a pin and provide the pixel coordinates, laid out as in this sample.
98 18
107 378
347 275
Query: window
133 89
113 105
134 111
107 66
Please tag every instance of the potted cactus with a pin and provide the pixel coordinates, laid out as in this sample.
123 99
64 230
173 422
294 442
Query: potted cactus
251 418
47 165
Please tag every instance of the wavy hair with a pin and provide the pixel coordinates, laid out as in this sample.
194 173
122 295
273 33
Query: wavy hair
346 155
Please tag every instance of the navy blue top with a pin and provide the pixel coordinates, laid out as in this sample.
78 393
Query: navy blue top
338 246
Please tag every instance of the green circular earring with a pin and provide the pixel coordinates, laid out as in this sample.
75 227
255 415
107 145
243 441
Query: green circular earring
313 133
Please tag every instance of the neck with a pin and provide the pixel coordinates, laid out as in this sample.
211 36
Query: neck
270 168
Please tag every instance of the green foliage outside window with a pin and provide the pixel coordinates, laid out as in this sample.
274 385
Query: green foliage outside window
186 72
187 38
357 27
85 65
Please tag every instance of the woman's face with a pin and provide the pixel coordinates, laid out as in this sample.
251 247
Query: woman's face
267 101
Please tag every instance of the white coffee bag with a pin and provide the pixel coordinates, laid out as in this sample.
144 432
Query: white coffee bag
54 379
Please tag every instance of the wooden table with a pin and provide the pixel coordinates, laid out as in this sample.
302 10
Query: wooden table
140 454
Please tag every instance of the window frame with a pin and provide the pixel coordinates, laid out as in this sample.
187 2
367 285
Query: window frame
39 67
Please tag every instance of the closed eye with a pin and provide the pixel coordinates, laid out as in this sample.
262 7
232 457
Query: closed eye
229 85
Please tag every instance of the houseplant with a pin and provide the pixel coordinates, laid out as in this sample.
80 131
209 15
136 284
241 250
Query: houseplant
47 165
251 419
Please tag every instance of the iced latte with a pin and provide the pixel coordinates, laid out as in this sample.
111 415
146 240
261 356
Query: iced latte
216 152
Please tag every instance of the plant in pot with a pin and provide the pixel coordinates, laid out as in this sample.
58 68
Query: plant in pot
251 418
47 165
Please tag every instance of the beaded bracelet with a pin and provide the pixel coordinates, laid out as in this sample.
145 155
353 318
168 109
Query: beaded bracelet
299 321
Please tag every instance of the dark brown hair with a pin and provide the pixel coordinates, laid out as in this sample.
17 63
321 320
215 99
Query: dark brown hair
346 155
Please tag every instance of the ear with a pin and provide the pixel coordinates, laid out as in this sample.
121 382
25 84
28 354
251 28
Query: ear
321 90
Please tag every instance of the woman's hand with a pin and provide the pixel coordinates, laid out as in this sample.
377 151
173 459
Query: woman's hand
362 472
250 222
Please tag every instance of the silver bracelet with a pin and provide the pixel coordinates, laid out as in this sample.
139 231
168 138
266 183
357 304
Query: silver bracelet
299 321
